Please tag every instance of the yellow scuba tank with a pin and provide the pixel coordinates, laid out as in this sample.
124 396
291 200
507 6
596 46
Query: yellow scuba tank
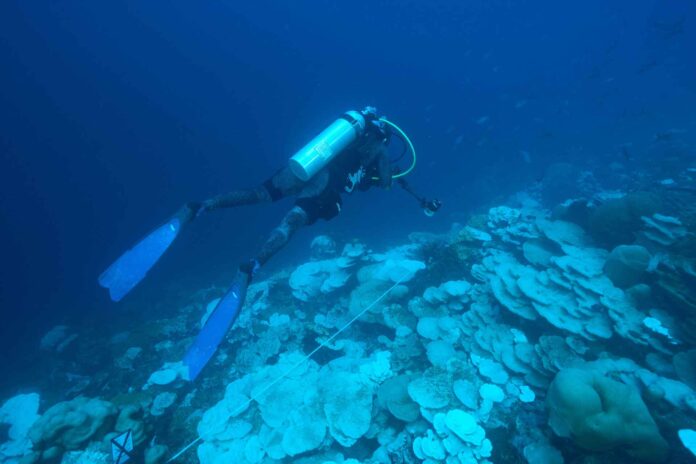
324 147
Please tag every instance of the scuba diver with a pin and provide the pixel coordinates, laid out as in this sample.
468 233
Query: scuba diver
351 154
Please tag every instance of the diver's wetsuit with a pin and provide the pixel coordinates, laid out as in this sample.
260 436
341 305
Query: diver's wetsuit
318 198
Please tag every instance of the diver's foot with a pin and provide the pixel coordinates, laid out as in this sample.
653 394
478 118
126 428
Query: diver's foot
188 212
250 268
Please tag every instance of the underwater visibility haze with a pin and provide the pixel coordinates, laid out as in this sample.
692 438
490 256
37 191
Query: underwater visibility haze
457 231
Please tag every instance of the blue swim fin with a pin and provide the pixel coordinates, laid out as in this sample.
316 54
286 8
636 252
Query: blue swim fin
133 265
216 327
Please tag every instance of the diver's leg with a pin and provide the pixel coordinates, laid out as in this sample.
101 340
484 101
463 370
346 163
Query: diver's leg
280 185
236 198
193 209
291 223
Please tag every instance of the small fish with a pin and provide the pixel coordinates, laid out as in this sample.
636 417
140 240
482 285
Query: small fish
669 29
525 156
667 135
482 120
520 103
647 66
458 140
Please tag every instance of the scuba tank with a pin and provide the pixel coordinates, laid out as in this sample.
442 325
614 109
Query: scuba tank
324 147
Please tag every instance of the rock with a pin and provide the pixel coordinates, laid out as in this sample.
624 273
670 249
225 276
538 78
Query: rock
627 265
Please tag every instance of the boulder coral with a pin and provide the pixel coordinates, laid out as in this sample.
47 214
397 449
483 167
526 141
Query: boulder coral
71 424
627 265
616 221
600 414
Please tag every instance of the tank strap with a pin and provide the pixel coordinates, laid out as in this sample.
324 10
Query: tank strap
353 122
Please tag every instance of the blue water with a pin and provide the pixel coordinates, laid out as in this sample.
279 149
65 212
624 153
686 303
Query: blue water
114 114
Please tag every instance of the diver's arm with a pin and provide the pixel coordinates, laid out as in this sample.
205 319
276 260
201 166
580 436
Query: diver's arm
430 207
384 170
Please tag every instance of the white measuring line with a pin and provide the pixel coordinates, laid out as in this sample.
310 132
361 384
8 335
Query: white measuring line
295 366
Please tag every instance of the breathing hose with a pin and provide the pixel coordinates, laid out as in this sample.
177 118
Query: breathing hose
404 137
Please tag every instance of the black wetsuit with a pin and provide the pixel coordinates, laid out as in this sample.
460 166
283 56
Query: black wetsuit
320 197
362 165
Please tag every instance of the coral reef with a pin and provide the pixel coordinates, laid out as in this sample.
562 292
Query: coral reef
522 335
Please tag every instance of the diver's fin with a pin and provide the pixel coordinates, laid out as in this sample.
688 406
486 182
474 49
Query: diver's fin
133 265
217 325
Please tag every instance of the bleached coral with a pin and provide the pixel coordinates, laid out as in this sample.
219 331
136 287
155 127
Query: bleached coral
298 413
19 413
